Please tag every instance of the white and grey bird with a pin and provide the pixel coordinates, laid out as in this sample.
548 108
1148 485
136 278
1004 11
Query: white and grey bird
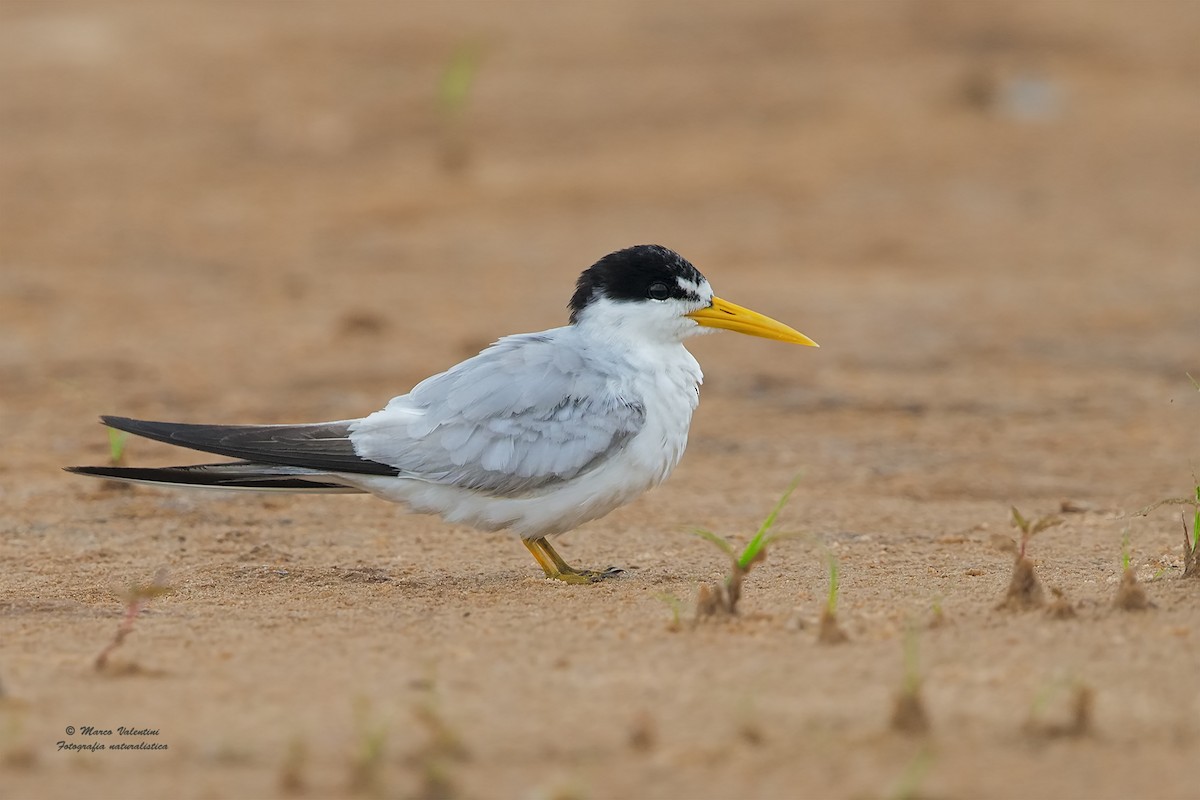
539 433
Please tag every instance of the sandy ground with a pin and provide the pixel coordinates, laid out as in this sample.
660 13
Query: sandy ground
987 215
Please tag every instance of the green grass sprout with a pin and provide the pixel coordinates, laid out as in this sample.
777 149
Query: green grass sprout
763 537
912 661
1131 595
16 750
1191 548
937 616
442 748
1043 696
723 598
367 761
291 773
828 629
1196 521
908 786
908 708
708 536
454 88
676 606
1030 528
116 446
834 574
453 92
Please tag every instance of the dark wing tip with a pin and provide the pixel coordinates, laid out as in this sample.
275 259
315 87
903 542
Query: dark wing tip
96 472
323 446
120 423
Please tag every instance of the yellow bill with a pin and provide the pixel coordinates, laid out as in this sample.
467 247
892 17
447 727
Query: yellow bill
731 317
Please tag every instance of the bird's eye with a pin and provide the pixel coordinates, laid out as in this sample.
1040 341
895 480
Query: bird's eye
659 291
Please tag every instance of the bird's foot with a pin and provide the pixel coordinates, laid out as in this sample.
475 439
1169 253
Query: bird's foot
557 568
585 575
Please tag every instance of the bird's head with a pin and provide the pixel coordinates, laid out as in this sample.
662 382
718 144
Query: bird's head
655 294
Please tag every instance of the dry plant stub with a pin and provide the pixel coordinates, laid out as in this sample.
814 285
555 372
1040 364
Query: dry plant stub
136 598
643 735
721 599
1025 591
291 773
908 708
829 631
1060 607
1131 596
908 713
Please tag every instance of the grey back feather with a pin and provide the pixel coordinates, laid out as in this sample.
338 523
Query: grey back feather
522 415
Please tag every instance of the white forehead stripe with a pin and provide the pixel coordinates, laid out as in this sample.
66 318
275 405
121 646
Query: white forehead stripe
701 290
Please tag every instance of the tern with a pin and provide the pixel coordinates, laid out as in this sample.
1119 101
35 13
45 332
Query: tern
539 433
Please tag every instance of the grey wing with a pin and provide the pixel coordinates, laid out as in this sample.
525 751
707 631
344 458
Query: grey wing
526 413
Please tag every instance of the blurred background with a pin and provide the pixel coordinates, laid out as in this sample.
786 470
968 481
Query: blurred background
967 203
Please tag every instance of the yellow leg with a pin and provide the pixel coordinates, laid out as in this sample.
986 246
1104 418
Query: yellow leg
534 546
557 568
